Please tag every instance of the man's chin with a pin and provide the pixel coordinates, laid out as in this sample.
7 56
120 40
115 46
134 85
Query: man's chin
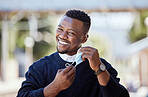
61 52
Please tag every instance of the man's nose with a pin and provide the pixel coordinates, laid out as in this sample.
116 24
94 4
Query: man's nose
64 35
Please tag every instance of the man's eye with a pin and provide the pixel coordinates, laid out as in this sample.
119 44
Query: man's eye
60 29
71 33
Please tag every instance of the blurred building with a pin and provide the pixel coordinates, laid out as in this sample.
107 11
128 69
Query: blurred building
139 49
138 58
105 14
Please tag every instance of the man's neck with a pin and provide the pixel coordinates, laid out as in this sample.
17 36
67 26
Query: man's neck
67 58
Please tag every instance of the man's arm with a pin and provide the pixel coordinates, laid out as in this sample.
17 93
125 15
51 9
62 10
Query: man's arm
113 87
109 85
93 56
103 78
33 85
62 81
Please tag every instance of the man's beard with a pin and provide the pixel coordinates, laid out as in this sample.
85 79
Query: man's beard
67 51
62 52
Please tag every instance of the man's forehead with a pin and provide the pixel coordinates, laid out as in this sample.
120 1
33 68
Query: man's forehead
66 18
71 22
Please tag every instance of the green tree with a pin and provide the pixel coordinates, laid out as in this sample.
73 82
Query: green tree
138 31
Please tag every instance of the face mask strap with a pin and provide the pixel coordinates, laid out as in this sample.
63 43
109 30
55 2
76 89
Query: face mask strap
67 64
76 62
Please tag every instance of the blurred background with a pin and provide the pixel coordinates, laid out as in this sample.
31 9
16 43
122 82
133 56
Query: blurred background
119 31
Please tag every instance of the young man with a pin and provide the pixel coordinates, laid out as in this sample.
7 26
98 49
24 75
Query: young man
93 77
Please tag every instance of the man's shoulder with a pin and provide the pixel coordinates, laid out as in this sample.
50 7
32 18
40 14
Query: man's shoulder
49 57
107 64
110 68
45 60
104 61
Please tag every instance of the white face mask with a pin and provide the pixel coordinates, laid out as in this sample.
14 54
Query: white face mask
77 60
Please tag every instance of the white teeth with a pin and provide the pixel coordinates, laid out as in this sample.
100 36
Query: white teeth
63 42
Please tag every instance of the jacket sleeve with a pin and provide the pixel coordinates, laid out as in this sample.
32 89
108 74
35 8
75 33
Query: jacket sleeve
113 87
33 85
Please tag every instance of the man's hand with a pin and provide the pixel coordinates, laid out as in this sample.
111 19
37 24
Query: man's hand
64 78
94 60
92 55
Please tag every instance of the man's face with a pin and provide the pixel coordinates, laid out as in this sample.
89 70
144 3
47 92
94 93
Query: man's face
69 35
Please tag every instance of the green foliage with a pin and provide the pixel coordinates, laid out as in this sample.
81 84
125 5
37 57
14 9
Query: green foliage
40 49
20 39
0 45
0 37
139 31
99 42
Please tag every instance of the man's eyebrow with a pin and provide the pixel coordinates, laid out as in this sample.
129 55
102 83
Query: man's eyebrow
70 29
59 25
74 30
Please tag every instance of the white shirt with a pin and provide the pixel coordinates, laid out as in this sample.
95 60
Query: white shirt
68 58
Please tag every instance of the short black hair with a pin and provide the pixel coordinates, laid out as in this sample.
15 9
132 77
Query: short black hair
82 16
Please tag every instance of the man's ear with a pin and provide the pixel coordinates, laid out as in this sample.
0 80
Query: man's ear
85 38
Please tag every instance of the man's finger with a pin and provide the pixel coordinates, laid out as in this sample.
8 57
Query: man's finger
72 71
87 52
88 48
67 69
71 74
60 70
72 77
85 56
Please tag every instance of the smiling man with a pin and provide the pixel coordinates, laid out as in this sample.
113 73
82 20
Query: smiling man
70 35
92 77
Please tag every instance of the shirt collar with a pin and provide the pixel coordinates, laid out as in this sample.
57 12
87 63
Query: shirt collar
67 58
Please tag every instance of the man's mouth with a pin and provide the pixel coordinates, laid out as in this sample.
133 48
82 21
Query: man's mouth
62 42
